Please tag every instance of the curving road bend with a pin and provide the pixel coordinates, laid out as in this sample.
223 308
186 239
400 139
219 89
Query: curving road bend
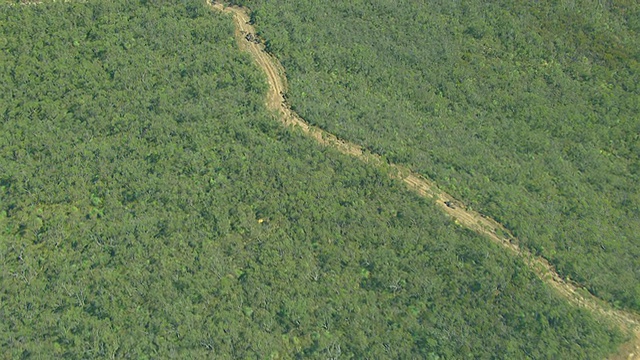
462 216
245 35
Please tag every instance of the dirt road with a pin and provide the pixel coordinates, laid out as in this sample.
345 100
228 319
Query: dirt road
424 187
462 216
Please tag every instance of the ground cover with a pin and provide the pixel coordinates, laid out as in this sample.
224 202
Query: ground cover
161 211
527 111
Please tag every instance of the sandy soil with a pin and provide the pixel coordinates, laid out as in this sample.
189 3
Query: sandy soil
479 223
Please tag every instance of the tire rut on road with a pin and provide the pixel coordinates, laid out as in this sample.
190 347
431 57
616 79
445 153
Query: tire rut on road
628 321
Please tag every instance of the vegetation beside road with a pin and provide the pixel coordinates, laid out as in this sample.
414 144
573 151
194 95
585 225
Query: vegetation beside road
528 111
159 211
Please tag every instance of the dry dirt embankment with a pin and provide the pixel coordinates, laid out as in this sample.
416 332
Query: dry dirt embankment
246 35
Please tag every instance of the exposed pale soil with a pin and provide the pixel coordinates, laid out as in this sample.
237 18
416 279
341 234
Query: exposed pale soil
463 216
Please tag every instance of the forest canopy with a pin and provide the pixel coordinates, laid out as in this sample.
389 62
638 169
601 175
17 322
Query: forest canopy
528 111
151 207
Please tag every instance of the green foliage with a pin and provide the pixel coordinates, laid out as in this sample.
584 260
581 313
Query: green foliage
150 207
529 111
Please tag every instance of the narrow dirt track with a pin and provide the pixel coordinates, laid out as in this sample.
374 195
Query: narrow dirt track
470 219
